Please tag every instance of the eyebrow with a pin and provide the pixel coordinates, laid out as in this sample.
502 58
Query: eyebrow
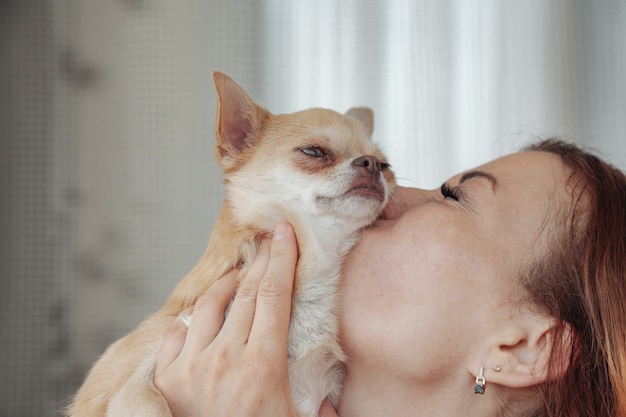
479 174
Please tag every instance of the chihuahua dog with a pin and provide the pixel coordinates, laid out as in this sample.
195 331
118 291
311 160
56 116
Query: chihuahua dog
317 169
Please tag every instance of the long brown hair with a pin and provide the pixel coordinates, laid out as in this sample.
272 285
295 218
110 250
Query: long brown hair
582 283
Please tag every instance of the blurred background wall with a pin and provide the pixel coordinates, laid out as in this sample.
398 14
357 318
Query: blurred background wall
108 189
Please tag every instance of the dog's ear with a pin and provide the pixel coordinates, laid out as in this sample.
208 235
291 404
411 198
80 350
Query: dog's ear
364 115
239 120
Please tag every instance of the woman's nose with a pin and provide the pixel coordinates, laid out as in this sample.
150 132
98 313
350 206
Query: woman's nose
403 198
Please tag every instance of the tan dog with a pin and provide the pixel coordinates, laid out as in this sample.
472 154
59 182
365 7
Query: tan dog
317 169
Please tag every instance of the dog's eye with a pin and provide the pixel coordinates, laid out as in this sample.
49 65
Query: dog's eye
314 151
384 166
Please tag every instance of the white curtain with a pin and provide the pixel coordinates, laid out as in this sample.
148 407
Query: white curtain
121 174
454 83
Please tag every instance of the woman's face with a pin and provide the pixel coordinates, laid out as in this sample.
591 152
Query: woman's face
424 287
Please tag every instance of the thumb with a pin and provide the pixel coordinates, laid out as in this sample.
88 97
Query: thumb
327 410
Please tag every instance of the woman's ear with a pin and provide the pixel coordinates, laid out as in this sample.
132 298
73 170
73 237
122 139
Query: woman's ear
526 354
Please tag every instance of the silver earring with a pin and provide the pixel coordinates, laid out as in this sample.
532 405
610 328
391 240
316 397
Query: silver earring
497 368
479 388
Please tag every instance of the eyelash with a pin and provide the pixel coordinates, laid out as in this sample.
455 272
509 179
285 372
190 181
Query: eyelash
449 192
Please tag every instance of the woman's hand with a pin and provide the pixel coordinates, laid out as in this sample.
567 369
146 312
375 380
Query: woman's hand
237 366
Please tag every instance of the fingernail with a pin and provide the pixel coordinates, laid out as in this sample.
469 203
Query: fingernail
280 230
186 318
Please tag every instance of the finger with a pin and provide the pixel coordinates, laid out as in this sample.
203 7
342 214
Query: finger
327 410
271 321
239 321
173 342
208 314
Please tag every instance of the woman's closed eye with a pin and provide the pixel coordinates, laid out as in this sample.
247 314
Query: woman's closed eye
450 192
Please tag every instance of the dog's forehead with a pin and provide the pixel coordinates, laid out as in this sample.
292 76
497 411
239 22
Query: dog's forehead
321 125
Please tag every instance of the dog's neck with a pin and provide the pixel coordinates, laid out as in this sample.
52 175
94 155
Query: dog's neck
322 244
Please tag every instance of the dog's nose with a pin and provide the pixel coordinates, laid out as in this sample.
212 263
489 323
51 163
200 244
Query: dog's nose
369 162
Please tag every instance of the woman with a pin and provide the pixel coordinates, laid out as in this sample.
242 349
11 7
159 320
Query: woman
509 282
